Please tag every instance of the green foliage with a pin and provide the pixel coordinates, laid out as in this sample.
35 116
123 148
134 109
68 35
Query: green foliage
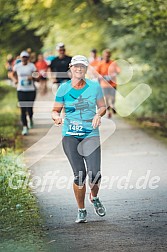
134 30
19 214
18 200
158 102
9 117
14 33
4 89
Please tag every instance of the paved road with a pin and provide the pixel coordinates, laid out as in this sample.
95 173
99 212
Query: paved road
136 218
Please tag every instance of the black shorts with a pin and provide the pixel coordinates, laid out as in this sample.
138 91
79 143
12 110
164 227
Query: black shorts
26 96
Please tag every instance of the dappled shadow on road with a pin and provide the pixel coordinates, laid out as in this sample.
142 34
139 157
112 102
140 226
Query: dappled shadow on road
135 220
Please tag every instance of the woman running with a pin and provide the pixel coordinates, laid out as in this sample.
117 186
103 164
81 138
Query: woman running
26 90
83 102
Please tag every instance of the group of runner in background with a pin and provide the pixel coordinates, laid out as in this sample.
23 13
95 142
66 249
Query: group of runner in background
27 68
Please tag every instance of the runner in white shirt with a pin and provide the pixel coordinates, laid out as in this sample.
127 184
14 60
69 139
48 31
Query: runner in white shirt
26 90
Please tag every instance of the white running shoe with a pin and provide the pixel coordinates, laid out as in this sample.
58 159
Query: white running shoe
98 206
81 216
25 131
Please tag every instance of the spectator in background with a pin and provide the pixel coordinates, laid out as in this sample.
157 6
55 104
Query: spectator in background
60 65
33 56
42 68
29 50
108 71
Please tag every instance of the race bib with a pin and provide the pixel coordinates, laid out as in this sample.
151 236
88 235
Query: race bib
75 128
25 82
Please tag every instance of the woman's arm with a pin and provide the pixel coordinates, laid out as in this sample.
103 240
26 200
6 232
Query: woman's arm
101 107
15 77
100 112
57 108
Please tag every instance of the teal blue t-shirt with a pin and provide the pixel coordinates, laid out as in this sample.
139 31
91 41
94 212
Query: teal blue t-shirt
80 108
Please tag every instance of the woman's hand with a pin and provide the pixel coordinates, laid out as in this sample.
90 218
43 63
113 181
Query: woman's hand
57 108
15 82
96 121
57 119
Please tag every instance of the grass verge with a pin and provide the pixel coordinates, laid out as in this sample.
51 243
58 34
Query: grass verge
148 116
9 117
151 127
20 221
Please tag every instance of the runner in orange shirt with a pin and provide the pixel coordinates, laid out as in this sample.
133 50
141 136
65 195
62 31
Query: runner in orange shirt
108 71
42 67
94 61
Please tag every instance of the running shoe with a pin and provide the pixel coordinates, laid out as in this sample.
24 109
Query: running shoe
81 217
25 131
98 206
30 124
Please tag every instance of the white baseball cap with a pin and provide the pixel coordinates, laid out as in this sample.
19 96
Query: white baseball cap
79 59
24 54
59 45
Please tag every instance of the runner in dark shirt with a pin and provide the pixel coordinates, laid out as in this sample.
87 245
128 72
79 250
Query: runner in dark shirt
60 65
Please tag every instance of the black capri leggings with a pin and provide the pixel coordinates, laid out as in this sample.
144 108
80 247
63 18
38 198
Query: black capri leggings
28 96
82 154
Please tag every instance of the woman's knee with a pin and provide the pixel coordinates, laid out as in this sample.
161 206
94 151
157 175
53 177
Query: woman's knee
94 178
80 178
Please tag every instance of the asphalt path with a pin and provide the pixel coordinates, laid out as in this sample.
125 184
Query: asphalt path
133 189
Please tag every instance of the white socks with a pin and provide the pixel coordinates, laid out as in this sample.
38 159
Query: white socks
94 198
83 209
